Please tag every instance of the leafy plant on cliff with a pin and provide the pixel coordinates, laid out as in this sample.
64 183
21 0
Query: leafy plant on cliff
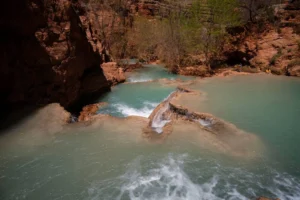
275 57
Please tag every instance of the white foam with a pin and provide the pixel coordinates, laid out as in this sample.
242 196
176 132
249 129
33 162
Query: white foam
139 79
159 120
166 182
168 179
290 184
145 111
204 122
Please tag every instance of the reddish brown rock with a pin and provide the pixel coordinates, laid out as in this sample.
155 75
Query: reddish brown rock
46 55
113 73
294 71
273 49
276 50
89 110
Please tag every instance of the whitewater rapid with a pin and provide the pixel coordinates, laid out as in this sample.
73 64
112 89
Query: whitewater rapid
168 179
144 111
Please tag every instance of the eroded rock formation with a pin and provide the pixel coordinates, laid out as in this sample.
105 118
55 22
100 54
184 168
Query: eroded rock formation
171 119
46 55
275 49
89 111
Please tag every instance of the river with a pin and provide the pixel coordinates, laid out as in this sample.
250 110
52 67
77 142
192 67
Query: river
40 158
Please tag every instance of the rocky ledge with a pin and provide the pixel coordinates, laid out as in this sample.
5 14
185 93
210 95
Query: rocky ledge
49 55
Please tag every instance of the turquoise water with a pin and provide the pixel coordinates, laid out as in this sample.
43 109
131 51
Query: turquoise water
108 158
141 94
138 99
265 105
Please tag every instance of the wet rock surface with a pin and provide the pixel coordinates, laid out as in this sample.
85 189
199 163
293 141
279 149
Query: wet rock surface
170 118
90 110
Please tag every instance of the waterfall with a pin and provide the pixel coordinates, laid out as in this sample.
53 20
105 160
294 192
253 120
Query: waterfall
160 119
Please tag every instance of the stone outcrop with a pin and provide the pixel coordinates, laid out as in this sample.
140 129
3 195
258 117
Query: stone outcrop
113 73
46 55
171 118
276 49
89 111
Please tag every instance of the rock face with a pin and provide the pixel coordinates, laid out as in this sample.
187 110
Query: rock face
113 73
46 55
146 8
277 51
276 48
89 111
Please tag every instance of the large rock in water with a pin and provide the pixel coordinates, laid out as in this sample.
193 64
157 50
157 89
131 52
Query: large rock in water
46 55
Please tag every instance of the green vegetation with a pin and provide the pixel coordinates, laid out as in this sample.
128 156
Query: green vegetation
199 29
111 22
294 63
275 57
180 34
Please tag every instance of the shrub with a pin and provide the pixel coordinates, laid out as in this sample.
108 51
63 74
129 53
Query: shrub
247 69
296 29
293 63
275 57
277 71
279 30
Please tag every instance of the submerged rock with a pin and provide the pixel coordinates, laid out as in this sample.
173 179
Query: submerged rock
88 111
265 198
38 127
170 118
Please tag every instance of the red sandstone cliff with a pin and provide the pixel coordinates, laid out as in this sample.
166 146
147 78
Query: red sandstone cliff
276 48
46 55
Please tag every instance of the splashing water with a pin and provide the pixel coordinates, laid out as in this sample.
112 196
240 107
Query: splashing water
145 111
160 120
168 179
44 159
166 182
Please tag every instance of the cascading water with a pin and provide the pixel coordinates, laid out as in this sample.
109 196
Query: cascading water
160 119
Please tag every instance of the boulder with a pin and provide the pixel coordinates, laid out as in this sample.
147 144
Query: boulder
294 71
89 111
113 73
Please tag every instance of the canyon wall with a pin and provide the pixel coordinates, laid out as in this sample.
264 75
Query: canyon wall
272 47
46 55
